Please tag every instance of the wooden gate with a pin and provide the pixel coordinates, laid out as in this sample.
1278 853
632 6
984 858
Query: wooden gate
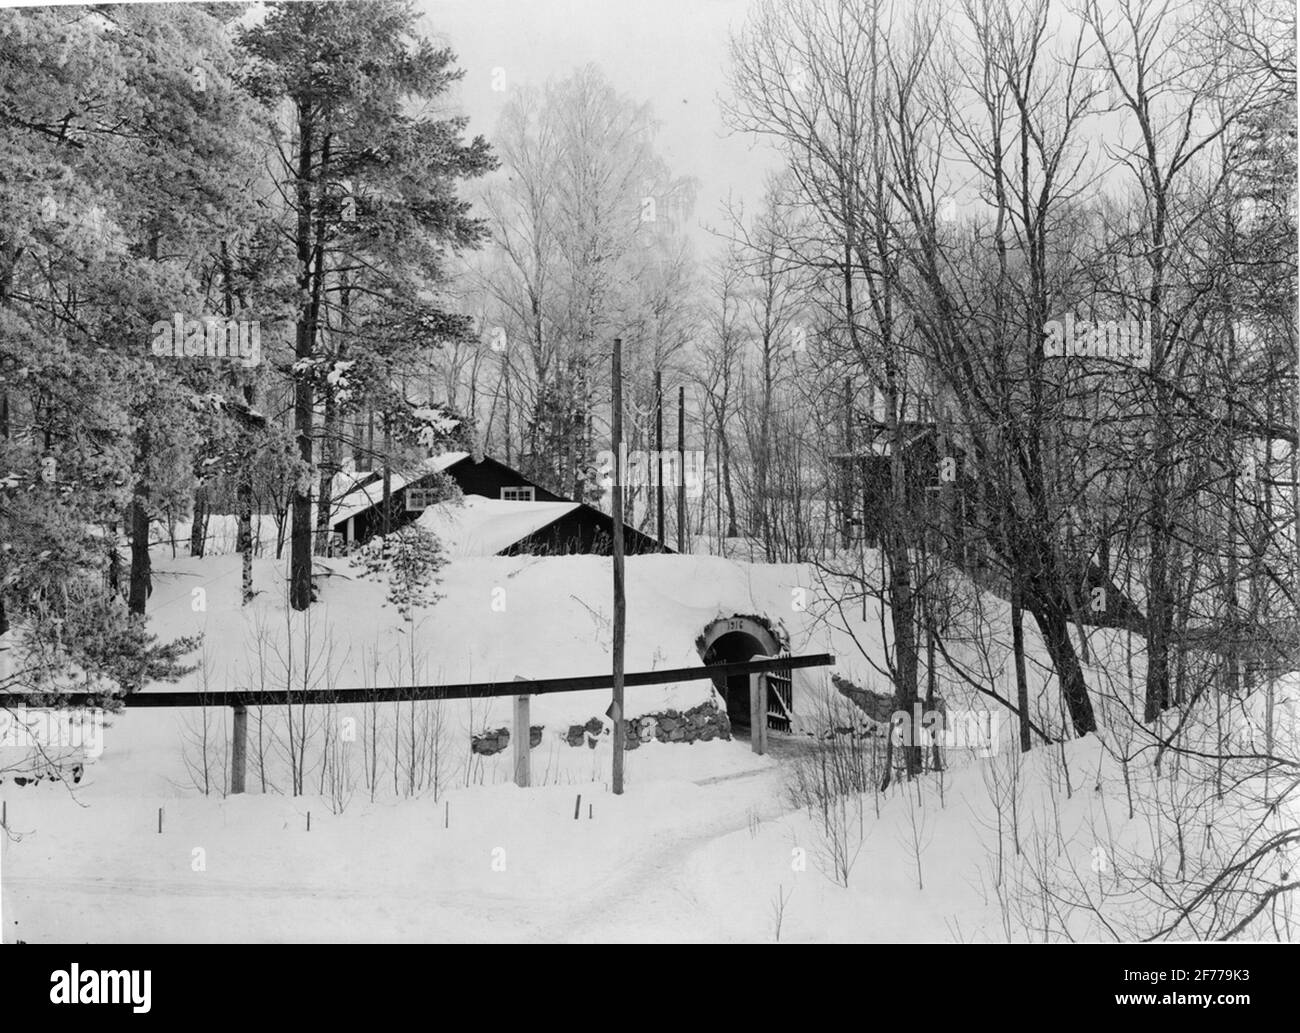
780 699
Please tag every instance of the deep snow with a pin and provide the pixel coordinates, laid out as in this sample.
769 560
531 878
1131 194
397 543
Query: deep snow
703 846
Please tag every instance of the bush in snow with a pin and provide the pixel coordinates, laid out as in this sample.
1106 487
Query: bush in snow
410 558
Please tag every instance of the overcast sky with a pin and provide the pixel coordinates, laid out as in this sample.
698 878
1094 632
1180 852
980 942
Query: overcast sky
670 53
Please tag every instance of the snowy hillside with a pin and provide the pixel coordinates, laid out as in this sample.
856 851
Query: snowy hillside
498 618
710 842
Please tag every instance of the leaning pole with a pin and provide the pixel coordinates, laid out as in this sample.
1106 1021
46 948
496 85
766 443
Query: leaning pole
620 604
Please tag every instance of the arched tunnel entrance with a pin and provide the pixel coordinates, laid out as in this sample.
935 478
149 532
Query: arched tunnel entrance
733 640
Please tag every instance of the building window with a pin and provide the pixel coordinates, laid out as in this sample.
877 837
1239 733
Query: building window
419 499
517 494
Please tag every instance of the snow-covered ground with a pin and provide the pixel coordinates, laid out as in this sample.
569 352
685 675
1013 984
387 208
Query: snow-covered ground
681 856
708 843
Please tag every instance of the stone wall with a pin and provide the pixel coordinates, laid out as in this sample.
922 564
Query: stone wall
699 724
879 707
589 733
494 740
876 705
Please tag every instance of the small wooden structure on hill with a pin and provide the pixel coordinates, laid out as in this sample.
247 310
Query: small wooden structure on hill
504 513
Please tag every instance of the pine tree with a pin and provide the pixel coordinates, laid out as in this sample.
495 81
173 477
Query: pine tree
113 155
371 196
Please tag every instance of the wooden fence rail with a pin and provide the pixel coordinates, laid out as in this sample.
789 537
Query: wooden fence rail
519 688
407 693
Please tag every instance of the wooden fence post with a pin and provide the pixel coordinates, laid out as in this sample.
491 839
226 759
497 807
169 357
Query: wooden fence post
238 749
523 741
758 713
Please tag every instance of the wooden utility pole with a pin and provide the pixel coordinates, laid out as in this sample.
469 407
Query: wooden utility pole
620 603
659 459
238 749
850 468
681 469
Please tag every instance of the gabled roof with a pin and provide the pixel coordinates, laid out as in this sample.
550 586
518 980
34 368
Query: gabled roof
877 443
369 490
476 526
484 527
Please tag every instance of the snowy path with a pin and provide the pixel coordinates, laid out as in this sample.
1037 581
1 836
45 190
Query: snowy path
653 900
391 875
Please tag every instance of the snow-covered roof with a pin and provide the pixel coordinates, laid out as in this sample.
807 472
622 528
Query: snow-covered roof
871 448
879 444
483 527
370 491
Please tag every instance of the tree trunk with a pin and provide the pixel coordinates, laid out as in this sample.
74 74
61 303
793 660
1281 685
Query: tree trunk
244 500
245 537
8 256
1053 623
199 524
329 465
1159 591
1018 649
309 293
113 576
386 510
931 680
141 570
902 607
724 446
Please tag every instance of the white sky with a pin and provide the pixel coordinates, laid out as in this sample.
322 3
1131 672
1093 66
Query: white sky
670 53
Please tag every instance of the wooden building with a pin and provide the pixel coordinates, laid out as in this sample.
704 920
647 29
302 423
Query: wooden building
505 513
940 493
